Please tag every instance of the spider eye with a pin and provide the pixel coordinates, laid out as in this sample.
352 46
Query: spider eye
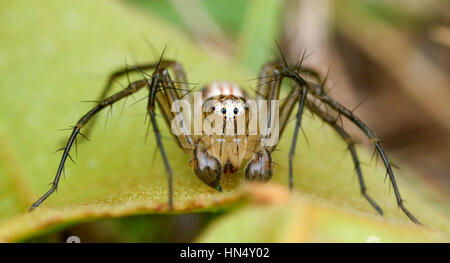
224 110
236 110
213 108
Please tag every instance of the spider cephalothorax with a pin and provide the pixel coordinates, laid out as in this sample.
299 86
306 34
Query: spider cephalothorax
223 147
223 152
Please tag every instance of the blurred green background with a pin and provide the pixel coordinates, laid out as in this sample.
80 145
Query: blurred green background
390 56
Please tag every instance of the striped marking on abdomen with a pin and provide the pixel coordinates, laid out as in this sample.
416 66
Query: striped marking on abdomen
222 88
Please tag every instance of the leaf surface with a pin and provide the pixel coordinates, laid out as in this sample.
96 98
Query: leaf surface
52 56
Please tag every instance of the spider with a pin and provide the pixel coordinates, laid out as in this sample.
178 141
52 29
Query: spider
213 156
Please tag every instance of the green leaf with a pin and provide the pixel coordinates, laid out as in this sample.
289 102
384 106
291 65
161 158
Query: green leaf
261 29
55 56
52 56
280 217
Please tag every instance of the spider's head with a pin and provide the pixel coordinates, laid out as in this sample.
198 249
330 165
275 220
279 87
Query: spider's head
224 98
229 107
207 168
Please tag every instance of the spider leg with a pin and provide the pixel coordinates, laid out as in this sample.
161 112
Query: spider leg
271 77
180 78
269 82
166 100
156 80
169 94
131 89
351 147
301 106
318 92
162 89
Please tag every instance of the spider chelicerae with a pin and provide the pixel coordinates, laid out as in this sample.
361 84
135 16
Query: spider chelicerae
215 154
